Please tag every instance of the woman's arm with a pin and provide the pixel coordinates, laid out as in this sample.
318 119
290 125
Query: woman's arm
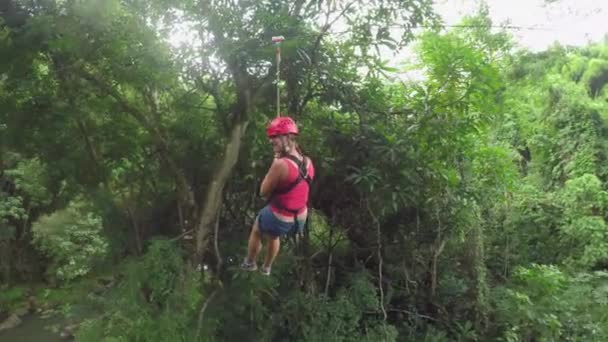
273 178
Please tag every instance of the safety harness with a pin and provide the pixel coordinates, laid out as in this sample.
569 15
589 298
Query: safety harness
302 176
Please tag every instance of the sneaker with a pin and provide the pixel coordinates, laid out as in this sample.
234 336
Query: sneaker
265 270
249 266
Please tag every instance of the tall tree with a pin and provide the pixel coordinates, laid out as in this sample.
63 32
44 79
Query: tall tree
106 56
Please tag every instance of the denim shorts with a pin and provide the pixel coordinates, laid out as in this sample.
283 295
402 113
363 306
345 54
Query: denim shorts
270 224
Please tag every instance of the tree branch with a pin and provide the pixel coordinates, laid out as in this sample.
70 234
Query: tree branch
201 314
380 260
216 243
160 141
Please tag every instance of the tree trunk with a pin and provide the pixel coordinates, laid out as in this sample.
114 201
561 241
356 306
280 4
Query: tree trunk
5 251
213 198
136 231
239 119
477 270
67 85
95 163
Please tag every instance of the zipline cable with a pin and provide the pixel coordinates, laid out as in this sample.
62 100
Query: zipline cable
277 42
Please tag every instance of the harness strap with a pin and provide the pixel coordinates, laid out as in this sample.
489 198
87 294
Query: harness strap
302 175
296 223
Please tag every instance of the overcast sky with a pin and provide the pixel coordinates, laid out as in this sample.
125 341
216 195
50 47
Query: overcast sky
570 22
542 22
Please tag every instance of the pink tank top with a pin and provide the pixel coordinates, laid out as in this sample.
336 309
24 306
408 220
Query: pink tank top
297 198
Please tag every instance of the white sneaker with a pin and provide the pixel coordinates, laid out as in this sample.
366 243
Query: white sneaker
249 266
265 270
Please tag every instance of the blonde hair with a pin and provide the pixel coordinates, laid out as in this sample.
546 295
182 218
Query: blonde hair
289 143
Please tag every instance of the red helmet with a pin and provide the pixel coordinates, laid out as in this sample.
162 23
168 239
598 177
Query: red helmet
281 126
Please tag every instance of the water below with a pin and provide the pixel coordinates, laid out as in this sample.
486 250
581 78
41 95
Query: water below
33 328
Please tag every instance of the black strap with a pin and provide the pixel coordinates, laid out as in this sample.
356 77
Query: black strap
302 175
294 212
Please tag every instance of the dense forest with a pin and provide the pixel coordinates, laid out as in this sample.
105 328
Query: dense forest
469 204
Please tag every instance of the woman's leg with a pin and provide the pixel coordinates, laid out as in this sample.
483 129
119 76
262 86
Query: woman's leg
255 243
274 244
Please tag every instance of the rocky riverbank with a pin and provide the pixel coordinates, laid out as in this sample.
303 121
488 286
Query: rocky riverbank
45 314
37 317
12 319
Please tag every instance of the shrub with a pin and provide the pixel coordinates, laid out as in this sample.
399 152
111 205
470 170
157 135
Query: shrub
73 240
546 304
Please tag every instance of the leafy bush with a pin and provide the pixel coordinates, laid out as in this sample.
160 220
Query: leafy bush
11 297
323 236
157 300
30 177
11 208
543 303
584 229
352 315
72 238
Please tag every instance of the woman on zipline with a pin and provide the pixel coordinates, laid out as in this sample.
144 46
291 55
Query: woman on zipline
286 187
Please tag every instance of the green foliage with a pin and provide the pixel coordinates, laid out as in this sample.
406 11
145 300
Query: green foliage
544 303
325 237
439 198
72 238
159 270
31 179
494 169
68 298
595 76
11 298
346 317
157 300
11 207
584 202
576 67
